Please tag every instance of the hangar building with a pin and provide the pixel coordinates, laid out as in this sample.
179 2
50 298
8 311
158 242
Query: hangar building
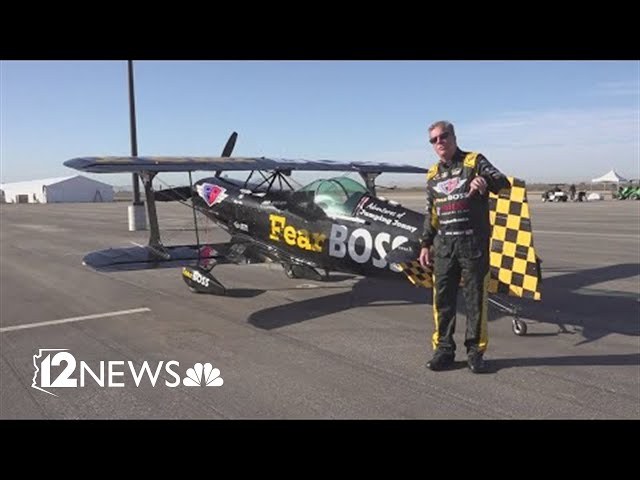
75 188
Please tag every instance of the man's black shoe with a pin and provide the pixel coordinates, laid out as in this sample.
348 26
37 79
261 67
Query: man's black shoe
476 363
441 361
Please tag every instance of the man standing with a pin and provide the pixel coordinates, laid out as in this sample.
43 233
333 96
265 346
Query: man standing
457 228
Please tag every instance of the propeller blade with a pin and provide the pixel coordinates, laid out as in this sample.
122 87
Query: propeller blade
228 148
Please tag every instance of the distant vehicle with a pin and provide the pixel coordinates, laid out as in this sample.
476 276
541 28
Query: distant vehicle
594 197
628 193
556 194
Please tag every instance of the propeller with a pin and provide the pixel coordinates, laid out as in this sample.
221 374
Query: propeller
228 148
184 193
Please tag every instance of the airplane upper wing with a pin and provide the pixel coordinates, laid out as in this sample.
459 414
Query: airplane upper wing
186 164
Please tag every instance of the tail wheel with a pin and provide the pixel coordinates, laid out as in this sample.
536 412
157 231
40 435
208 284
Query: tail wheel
519 327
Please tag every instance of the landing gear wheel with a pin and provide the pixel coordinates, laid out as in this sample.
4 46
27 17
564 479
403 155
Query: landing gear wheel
288 271
519 327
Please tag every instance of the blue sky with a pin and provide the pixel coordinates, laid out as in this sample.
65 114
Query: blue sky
552 121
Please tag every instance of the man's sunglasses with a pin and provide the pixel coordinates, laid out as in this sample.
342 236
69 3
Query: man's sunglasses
442 136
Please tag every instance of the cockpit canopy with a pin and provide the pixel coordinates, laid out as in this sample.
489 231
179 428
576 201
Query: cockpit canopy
336 196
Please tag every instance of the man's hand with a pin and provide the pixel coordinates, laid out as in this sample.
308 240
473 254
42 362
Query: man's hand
425 257
478 184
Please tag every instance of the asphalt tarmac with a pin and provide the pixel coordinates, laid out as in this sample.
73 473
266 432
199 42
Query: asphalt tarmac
349 348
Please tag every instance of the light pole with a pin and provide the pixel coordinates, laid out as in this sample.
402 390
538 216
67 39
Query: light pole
137 218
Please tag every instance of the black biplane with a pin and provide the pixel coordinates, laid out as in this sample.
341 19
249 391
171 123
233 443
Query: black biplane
332 224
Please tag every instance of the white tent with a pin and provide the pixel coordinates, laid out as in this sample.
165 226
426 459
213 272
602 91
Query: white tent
54 190
609 177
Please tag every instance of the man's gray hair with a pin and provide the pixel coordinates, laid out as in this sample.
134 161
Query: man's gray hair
446 126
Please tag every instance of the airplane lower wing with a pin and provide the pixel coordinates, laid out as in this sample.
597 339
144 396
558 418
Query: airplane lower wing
152 257
197 262
241 249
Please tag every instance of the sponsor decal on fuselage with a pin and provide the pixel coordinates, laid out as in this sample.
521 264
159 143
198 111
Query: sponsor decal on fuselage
361 246
212 194
301 238
388 216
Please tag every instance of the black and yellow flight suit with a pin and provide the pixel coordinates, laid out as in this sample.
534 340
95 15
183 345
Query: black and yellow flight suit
457 226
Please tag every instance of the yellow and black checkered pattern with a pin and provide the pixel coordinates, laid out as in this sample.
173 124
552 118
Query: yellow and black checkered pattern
513 261
417 275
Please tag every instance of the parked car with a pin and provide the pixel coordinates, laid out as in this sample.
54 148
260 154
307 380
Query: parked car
555 195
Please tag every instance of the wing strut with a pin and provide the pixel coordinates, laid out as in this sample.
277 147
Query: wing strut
370 181
155 243
195 219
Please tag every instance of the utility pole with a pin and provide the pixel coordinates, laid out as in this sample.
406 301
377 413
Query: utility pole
137 218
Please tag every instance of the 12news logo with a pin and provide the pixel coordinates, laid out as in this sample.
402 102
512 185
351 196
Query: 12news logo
49 372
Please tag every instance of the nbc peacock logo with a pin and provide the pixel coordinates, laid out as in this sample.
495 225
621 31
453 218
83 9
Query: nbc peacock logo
203 375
